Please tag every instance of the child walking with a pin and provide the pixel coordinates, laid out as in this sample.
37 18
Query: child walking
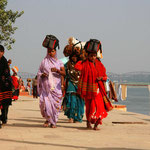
73 104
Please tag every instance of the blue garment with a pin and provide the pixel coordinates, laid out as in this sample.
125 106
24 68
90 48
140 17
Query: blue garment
73 105
64 60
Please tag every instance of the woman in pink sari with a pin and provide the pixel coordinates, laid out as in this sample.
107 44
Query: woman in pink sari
50 84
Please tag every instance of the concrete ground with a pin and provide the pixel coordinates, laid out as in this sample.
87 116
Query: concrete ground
120 131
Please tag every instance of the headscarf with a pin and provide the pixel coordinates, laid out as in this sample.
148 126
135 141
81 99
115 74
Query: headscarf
15 69
88 84
45 67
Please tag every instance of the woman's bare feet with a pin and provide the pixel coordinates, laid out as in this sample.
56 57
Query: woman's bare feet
96 128
96 125
53 126
70 120
46 124
89 127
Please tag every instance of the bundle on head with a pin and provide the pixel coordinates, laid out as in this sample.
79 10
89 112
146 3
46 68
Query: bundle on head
68 50
76 47
76 43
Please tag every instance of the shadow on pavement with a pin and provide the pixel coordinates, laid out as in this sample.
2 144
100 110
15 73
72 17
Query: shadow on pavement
33 117
66 120
25 125
40 125
28 110
61 123
112 148
79 128
61 145
29 120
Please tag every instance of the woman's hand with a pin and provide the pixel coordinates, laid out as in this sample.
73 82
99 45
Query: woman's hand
61 71
99 78
55 70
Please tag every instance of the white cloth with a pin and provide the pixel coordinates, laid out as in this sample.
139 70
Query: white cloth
73 41
51 81
107 85
120 92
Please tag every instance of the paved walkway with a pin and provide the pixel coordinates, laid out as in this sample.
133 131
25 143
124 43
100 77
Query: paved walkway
120 131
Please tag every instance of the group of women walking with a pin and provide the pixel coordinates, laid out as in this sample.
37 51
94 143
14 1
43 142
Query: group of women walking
72 86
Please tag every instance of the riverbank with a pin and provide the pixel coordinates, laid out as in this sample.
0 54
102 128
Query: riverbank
120 131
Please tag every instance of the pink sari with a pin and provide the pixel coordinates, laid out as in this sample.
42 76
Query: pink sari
49 89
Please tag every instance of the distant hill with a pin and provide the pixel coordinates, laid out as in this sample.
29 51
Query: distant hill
130 77
134 77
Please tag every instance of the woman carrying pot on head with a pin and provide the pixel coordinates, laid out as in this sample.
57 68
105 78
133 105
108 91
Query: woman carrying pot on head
15 82
50 84
91 87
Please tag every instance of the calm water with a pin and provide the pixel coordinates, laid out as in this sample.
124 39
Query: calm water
138 100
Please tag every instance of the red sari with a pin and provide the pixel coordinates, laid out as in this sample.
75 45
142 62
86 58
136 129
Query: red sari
15 87
91 90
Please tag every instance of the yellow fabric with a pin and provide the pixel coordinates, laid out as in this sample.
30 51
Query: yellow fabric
149 88
124 91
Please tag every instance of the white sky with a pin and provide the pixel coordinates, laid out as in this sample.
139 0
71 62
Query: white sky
122 26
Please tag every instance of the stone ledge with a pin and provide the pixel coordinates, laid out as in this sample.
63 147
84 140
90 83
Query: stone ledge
120 107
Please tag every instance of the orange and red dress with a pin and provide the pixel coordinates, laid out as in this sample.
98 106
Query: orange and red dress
92 90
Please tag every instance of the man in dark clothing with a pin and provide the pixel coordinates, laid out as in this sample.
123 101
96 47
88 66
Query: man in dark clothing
34 86
5 87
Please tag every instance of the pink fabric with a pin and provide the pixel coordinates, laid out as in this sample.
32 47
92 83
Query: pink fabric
50 98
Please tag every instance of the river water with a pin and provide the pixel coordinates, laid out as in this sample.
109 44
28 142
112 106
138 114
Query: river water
138 100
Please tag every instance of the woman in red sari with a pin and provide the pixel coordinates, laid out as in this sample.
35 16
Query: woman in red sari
15 82
91 89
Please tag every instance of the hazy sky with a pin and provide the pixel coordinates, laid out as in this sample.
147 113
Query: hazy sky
122 26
